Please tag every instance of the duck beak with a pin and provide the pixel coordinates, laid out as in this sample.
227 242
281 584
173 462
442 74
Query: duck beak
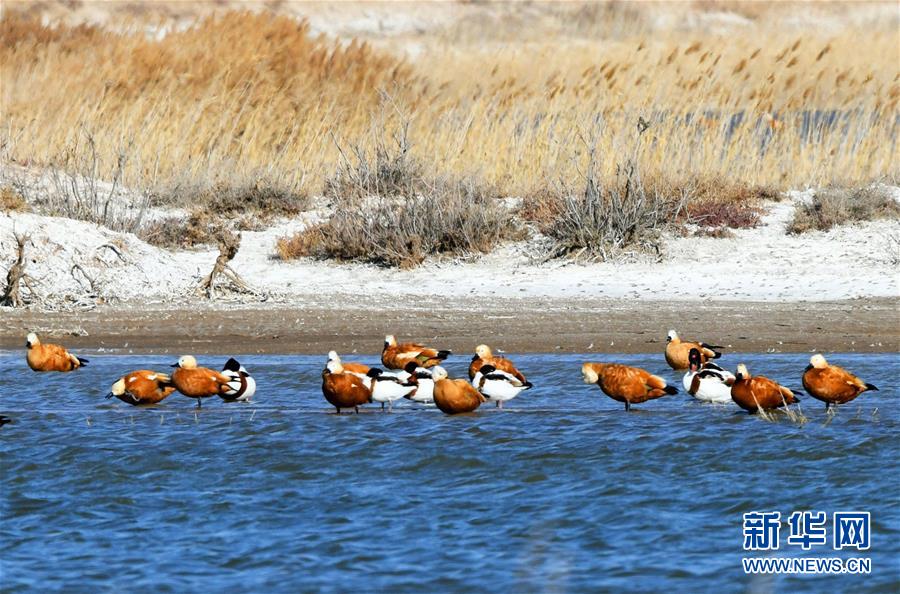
174 365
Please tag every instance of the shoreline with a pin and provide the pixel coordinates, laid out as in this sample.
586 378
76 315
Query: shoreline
514 325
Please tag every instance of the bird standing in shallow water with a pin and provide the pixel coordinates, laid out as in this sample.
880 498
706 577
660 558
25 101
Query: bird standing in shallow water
198 382
454 396
50 357
242 386
484 356
343 389
707 382
142 387
755 393
678 351
831 384
498 386
631 385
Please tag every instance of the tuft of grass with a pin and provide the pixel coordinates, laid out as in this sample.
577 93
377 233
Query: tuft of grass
723 214
251 201
392 214
832 207
11 200
604 220
402 232
200 227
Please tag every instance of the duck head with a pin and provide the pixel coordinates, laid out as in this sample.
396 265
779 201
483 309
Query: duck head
818 361
186 362
672 335
486 369
117 388
482 351
741 373
32 340
390 340
694 360
589 373
438 373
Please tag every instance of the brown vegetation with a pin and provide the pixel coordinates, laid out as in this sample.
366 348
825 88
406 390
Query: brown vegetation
242 92
12 200
832 207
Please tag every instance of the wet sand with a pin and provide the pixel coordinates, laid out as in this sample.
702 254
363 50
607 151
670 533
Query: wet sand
514 325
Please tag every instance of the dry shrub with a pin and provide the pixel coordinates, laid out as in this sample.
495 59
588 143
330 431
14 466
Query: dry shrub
404 231
606 219
832 207
198 228
302 244
11 200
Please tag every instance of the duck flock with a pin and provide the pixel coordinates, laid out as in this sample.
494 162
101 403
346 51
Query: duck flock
413 371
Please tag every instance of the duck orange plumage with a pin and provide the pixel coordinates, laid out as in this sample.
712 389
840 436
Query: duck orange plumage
198 382
753 393
348 366
142 387
343 389
50 357
832 384
454 396
631 385
484 356
398 356
678 351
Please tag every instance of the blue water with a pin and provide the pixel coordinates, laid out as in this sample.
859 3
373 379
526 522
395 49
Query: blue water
563 491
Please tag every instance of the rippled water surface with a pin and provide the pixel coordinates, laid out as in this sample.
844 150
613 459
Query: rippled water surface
562 491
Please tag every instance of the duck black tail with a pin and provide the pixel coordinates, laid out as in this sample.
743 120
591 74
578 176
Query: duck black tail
443 355
527 385
82 362
872 387
670 390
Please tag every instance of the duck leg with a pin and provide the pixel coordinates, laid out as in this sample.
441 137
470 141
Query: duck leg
500 404
198 403
827 406
338 408
627 405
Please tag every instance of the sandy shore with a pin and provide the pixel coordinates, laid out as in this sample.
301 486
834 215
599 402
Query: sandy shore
514 325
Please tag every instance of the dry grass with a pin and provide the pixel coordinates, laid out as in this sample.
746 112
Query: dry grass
392 214
723 214
11 200
832 207
759 105
604 219
199 228
403 231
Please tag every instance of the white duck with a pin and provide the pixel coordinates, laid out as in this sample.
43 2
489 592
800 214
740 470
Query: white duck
242 386
498 386
421 376
387 387
708 382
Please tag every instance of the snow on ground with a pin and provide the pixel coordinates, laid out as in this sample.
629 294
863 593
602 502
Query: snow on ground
73 261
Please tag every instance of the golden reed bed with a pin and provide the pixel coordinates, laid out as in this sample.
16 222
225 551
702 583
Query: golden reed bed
259 94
